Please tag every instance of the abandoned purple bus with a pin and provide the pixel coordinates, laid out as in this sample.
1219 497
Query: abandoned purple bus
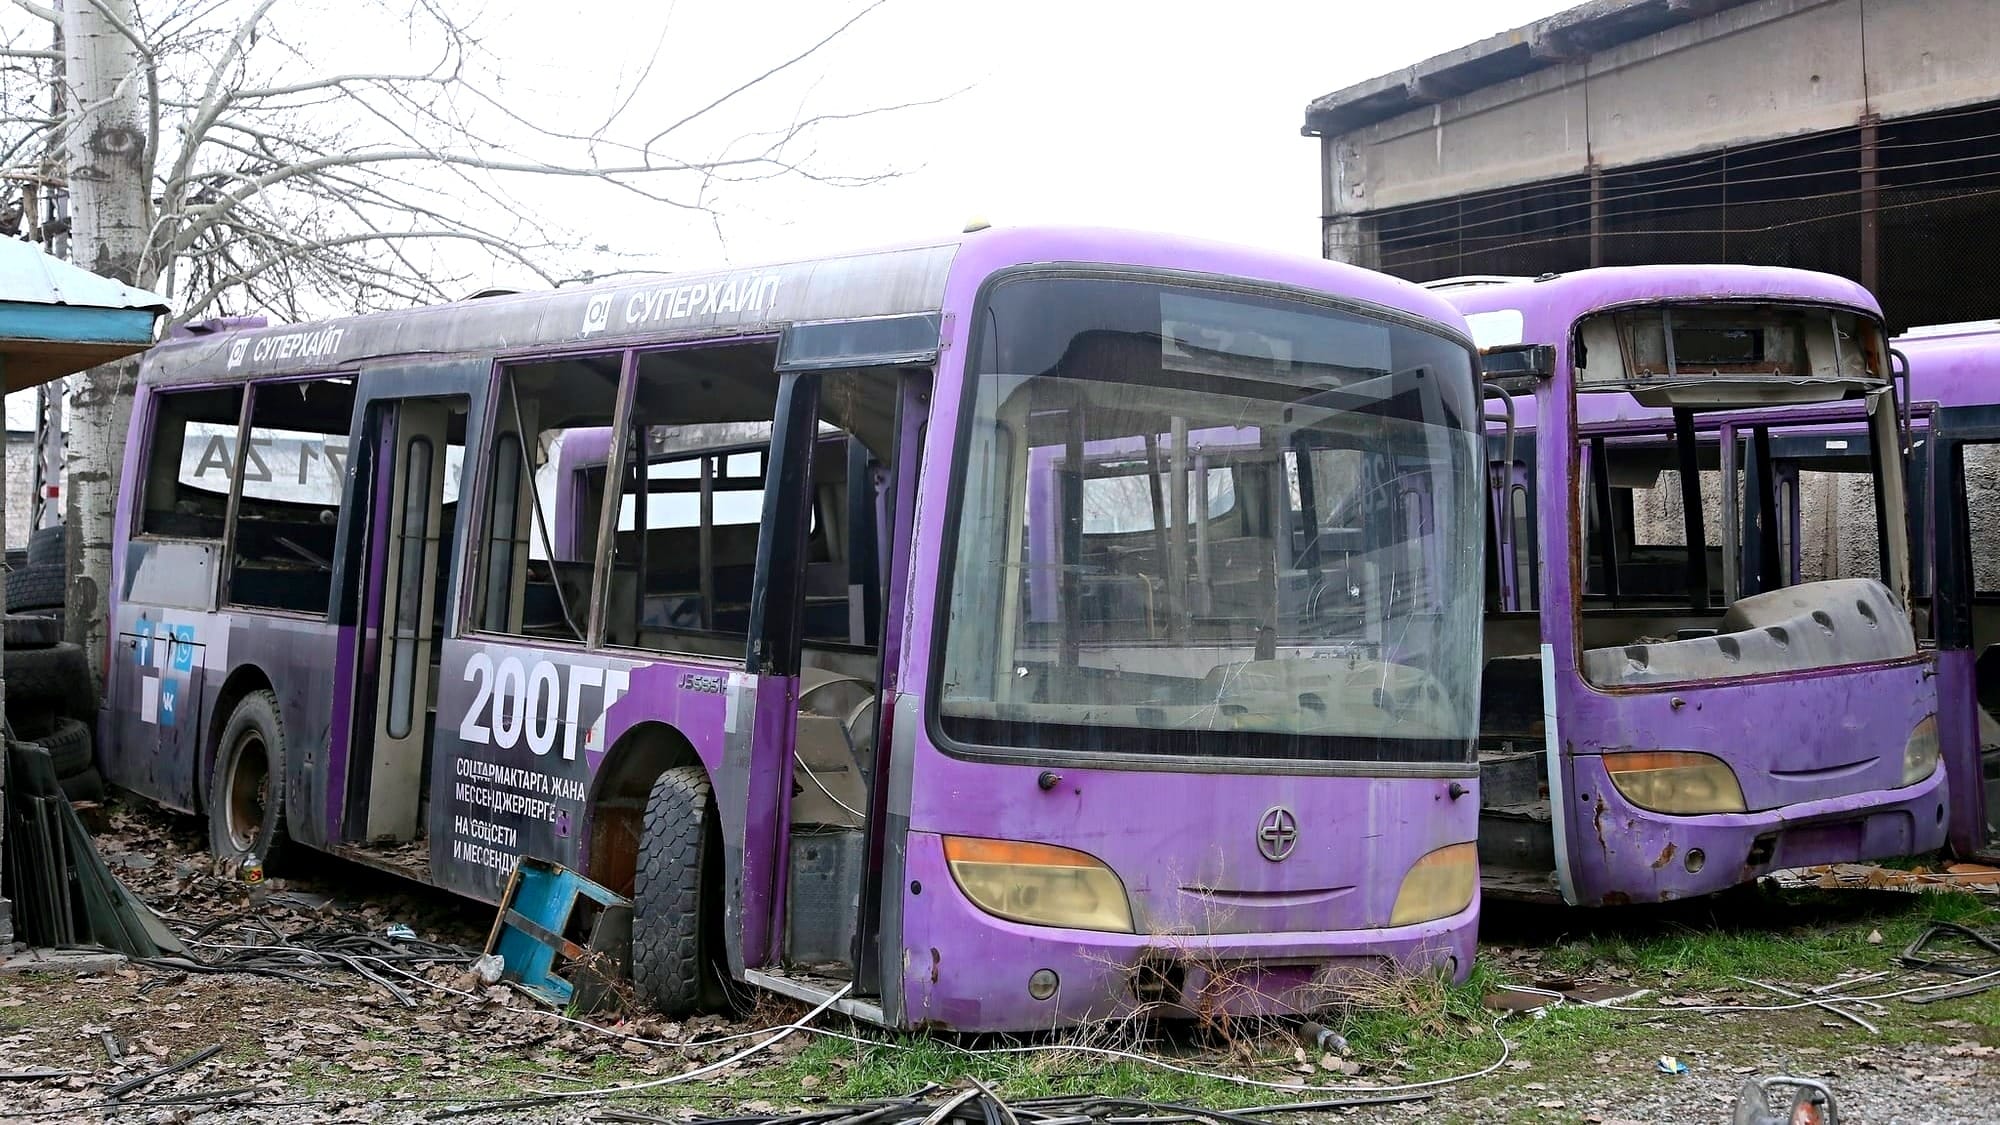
1954 391
1689 681
716 589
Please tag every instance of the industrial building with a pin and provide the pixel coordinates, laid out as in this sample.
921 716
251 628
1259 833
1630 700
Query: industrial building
1859 137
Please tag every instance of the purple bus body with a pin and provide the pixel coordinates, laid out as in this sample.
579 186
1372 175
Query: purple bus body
1200 892
1954 373
1819 791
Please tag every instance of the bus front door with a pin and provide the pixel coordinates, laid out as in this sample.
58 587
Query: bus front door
824 663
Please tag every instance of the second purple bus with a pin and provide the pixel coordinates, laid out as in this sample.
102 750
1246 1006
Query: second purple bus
1686 684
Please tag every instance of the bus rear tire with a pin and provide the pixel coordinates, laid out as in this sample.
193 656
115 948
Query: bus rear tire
676 907
246 792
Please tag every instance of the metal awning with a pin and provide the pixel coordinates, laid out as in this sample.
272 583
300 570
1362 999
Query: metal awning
56 318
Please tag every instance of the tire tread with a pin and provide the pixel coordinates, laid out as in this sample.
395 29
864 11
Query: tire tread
667 961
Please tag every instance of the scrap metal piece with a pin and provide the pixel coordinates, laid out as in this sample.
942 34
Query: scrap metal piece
1812 1102
1914 957
1983 975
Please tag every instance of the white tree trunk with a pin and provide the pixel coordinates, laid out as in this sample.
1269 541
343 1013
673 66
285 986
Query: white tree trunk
108 172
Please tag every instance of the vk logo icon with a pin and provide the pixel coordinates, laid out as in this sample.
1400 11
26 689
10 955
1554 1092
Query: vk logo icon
170 698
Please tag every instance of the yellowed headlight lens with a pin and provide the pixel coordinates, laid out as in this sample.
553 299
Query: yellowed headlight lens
1039 884
1675 781
1920 753
1438 885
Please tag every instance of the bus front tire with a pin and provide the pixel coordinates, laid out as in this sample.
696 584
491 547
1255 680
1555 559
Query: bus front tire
246 793
676 917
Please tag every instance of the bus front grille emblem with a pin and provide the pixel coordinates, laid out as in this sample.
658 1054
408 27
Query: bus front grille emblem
1277 833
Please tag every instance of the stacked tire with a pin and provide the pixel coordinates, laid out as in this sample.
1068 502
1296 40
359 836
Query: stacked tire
50 698
38 583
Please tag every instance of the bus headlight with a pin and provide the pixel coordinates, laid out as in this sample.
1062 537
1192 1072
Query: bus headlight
1675 781
1038 884
1438 885
1920 753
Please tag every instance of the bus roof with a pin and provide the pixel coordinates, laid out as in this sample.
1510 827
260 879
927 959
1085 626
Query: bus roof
743 301
1545 309
1953 364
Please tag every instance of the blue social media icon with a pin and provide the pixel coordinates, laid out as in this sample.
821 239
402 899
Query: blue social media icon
170 693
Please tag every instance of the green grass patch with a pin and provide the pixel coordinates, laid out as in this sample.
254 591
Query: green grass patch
1418 1030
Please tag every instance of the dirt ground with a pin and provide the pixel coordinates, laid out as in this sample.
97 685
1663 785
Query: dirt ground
421 1040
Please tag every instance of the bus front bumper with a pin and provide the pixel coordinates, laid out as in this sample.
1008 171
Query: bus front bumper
1620 853
966 970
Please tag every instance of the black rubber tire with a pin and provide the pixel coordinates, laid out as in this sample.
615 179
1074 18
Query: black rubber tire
24 631
68 743
55 677
30 718
250 819
36 587
85 786
676 898
46 547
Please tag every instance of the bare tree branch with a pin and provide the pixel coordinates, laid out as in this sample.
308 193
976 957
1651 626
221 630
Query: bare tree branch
37 10
200 303
765 76
283 185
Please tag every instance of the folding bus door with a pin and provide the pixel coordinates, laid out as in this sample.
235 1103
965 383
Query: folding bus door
394 561
408 520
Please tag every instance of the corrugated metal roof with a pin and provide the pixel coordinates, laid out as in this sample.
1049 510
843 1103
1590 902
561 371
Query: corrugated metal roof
31 277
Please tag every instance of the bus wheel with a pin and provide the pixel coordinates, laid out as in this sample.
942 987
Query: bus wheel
246 795
676 911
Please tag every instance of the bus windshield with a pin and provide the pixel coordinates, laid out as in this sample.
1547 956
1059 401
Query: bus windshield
1244 525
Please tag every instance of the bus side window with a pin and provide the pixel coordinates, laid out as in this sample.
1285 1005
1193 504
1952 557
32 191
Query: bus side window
293 478
1650 528
539 538
691 504
1837 530
190 463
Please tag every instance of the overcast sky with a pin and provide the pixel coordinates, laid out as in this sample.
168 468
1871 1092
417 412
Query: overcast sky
1168 115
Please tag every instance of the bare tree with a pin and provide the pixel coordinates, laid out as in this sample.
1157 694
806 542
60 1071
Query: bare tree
218 155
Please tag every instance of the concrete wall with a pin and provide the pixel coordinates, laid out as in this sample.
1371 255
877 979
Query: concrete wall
1837 534
1982 504
1765 70
20 488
